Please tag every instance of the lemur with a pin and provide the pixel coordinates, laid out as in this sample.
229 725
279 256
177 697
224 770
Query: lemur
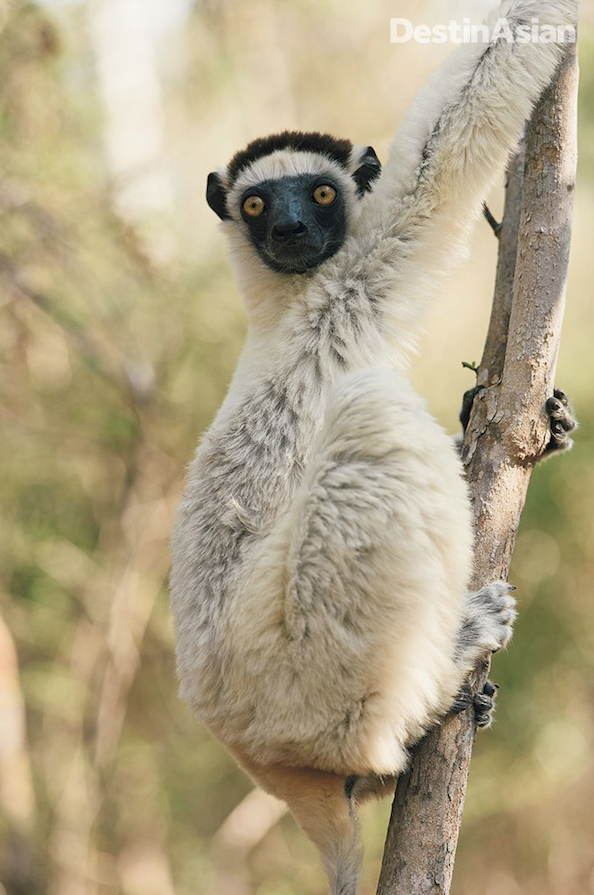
323 547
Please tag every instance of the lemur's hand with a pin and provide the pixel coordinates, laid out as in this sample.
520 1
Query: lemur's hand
561 420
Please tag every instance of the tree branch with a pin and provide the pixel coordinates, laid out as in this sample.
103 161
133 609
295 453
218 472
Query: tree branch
507 433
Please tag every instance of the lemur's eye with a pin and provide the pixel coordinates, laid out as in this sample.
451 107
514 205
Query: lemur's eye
324 194
253 206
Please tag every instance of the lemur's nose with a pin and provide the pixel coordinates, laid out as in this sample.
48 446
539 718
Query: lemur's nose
288 229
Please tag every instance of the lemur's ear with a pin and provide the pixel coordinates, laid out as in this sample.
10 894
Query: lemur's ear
216 195
368 168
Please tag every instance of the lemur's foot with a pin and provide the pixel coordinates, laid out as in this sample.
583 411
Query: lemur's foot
483 703
561 420
487 627
488 622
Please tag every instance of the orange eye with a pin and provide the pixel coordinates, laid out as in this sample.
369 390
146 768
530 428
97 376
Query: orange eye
324 194
253 206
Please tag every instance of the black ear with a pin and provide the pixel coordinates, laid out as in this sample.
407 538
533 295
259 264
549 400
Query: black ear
369 170
216 196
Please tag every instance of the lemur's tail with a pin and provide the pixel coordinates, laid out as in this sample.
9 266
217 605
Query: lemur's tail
322 805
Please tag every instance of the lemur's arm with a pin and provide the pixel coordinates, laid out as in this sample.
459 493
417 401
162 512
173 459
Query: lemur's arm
453 144
463 125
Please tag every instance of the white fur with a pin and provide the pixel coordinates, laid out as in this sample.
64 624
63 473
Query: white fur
323 545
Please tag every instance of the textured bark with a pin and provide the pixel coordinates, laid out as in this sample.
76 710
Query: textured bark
507 433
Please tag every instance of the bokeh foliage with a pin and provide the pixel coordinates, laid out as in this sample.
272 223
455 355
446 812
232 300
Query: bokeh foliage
111 364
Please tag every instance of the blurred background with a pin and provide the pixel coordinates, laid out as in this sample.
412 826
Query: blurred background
120 325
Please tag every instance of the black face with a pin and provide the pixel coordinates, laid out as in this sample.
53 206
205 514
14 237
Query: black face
295 223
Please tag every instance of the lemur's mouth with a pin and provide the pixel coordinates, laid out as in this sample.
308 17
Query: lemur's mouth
296 256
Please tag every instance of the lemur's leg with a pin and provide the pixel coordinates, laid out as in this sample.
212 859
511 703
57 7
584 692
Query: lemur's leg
558 409
487 627
379 533
358 595
321 805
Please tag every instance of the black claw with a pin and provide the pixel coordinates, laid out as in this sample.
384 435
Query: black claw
482 703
